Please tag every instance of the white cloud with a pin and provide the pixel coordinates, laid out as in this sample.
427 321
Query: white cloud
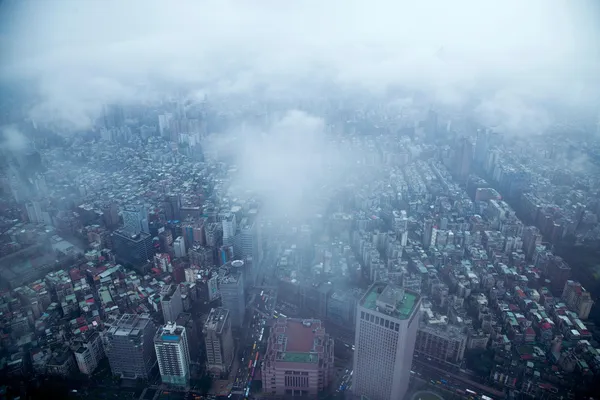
85 53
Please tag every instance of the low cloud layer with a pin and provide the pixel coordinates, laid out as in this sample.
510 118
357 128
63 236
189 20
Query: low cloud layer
13 140
517 59
286 165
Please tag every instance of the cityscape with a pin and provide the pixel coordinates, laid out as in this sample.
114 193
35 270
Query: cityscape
323 242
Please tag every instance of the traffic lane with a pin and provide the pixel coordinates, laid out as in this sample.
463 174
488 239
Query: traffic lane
462 382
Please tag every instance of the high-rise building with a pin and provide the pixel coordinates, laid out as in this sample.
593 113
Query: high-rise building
231 287
89 354
464 156
387 321
129 346
135 249
110 215
113 115
135 219
179 247
219 342
578 299
558 271
531 238
248 245
428 233
229 228
172 207
299 358
171 303
192 334
173 354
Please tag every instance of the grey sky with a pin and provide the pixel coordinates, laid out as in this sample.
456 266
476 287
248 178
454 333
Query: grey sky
517 53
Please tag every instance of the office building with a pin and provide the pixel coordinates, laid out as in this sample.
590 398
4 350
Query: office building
135 249
129 346
173 355
135 219
248 246
387 321
179 247
171 303
464 156
219 343
558 271
89 353
299 359
192 334
172 207
229 228
577 299
231 287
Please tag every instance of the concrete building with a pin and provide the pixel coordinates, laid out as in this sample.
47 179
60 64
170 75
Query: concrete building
229 228
134 249
299 359
231 287
89 354
578 299
173 354
248 244
129 346
171 303
442 342
219 342
135 219
387 321
61 363
179 247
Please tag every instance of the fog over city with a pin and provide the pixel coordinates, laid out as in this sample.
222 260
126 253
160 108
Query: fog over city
335 199
513 62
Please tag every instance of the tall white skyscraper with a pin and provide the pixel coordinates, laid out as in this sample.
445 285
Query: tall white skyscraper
173 354
387 321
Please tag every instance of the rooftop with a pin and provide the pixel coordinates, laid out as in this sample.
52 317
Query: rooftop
399 303
297 341
299 357
216 319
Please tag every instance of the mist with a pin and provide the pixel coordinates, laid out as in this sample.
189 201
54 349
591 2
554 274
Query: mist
289 165
517 61
12 140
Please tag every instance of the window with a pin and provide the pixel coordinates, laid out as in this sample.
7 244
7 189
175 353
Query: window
387 323
362 315
376 320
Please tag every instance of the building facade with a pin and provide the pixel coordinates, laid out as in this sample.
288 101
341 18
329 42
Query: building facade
89 354
173 354
387 321
231 287
219 342
299 359
577 298
171 303
129 346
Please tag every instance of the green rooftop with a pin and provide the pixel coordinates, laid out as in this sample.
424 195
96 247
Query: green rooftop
299 357
404 306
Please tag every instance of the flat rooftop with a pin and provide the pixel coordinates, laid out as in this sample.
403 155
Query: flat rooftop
297 340
403 306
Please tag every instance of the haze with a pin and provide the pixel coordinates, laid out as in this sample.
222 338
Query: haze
512 58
